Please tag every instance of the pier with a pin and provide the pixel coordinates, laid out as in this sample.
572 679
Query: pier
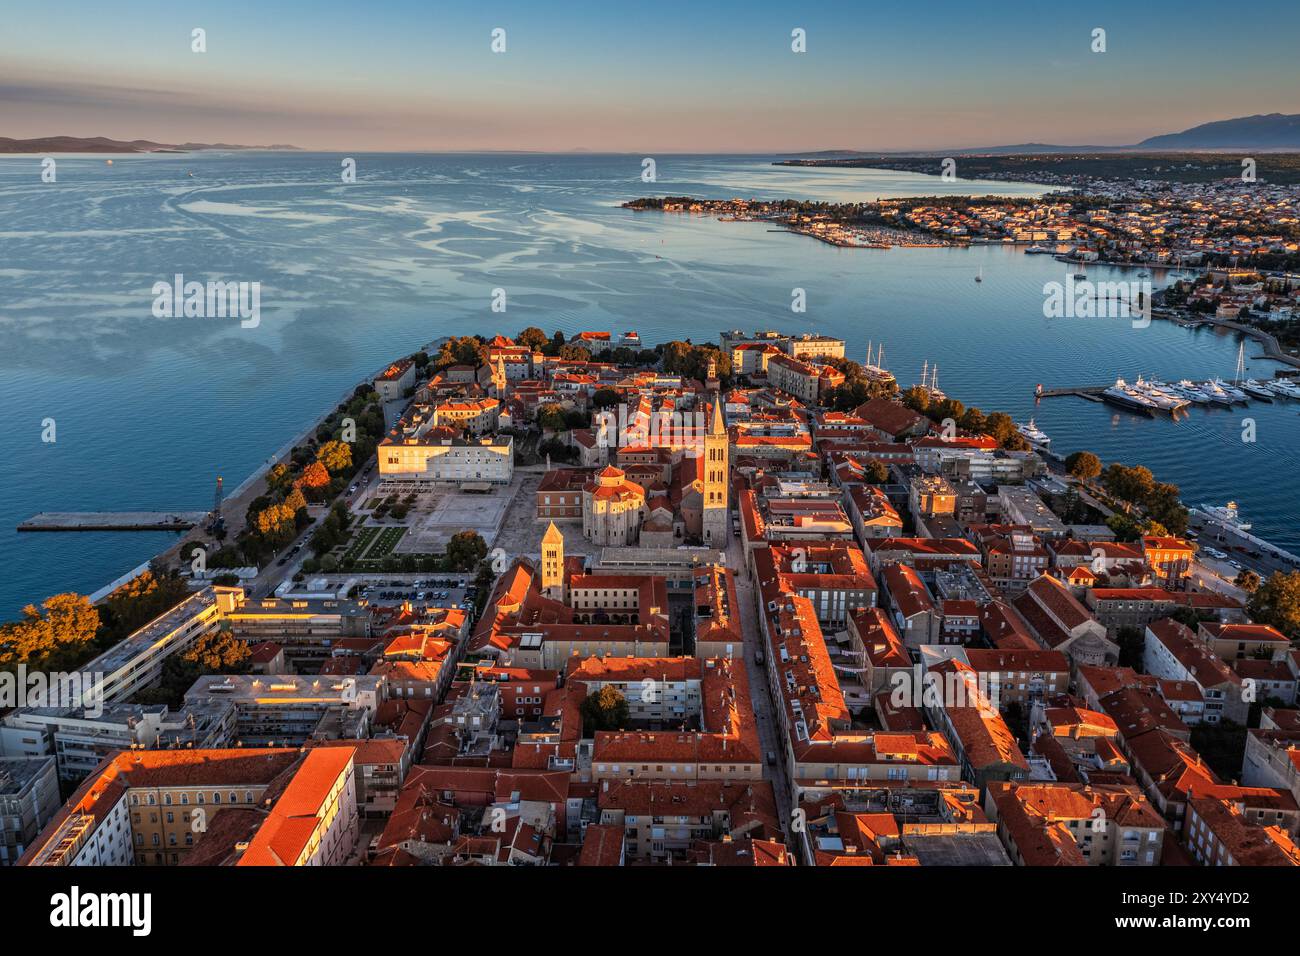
113 521
1091 393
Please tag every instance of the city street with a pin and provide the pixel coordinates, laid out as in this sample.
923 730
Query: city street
768 729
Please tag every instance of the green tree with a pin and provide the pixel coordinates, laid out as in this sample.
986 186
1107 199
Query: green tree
140 600
217 653
533 337
875 471
465 550
551 417
917 399
1276 602
336 456
606 709
1000 427
1248 580
60 629
1132 485
461 350
1083 465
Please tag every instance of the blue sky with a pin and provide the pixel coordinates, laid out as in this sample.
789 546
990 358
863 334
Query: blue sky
664 75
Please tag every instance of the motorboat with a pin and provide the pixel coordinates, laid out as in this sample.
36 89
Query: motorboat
1226 515
1257 390
1032 433
1232 393
1123 395
1284 387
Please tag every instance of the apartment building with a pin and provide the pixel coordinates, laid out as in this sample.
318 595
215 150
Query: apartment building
150 808
1172 652
1076 824
287 709
81 738
315 822
29 798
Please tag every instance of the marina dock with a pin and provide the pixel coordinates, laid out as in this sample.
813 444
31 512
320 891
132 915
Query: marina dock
113 521
1172 399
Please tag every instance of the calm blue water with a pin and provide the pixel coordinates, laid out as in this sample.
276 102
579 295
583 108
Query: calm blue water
149 411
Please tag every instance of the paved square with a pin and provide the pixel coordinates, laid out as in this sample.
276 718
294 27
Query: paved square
438 515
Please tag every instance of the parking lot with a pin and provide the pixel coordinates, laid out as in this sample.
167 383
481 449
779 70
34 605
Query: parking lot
433 590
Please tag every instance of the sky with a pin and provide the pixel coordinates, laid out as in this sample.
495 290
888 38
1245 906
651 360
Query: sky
624 76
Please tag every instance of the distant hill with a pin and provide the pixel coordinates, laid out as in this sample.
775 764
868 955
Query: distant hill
102 144
1265 131
1272 131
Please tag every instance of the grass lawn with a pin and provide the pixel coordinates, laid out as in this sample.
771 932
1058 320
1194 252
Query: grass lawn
362 542
388 538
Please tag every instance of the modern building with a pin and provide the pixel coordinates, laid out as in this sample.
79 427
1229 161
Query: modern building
29 798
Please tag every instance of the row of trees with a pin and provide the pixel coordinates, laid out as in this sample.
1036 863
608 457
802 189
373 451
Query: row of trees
317 471
1138 488
692 361
217 653
857 389
66 630
997 425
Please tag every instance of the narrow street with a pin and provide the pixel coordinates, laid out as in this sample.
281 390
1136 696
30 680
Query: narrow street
768 729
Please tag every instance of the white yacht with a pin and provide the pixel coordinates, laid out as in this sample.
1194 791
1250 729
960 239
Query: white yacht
1124 395
1216 393
1226 515
1032 433
1284 387
1232 393
1157 393
1257 390
1190 391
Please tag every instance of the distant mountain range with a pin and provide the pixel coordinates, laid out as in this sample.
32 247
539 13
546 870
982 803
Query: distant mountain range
1265 132
102 144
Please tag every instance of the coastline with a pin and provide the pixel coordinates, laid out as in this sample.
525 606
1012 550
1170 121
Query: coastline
236 501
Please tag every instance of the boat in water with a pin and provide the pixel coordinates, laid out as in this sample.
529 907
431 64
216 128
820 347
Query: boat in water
1232 393
1125 396
1284 387
930 382
1257 390
874 370
1226 515
1032 433
1190 391
1159 393
1217 395
1040 251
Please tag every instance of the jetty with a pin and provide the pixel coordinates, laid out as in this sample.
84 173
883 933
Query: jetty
114 521
1090 392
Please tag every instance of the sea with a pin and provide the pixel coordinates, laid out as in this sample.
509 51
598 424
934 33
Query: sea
144 412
